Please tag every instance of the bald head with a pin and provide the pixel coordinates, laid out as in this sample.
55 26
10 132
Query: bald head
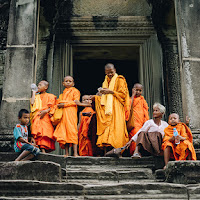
69 77
138 85
46 83
109 66
173 119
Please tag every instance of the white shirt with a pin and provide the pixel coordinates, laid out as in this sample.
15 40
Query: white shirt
150 126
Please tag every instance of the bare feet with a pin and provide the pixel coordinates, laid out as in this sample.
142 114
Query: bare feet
165 167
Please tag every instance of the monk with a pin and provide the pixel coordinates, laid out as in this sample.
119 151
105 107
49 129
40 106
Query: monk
85 145
185 149
111 110
139 107
41 126
66 132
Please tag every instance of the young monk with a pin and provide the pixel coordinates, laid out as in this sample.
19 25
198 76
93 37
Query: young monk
139 107
85 145
66 132
185 149
41 126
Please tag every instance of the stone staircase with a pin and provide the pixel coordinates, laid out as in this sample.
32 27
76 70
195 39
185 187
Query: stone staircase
94 178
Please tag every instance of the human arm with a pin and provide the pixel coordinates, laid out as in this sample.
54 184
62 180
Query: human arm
187 120
33 97
44 112
78 103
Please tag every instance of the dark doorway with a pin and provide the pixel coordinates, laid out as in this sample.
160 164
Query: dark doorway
89 62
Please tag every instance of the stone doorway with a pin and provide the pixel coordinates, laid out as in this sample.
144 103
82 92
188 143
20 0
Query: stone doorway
89 62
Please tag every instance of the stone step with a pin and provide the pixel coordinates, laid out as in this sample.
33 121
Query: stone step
110 175
131 190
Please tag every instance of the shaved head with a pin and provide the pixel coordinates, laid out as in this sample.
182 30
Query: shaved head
69 77
109 66
46 83
174 114
138 85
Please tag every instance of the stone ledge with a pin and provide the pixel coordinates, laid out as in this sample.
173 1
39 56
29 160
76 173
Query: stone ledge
30 170
183 172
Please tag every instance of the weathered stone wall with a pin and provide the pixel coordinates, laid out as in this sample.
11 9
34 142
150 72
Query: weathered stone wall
4 16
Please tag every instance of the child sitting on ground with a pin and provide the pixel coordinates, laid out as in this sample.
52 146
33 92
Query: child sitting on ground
21 144
178 147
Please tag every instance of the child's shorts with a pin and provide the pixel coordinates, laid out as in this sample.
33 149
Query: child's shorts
34 150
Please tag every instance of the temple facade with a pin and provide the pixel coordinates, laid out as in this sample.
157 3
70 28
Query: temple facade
153 42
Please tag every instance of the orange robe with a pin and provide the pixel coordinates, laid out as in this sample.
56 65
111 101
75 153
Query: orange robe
180 151
66 131
42 129
141 115
85 145
111 129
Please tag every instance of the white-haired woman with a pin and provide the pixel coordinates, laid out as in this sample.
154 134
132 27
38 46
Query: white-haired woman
149 138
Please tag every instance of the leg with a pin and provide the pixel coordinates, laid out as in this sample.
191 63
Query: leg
189 157
43 150
22 155
29 157
167 155
66 150
75 150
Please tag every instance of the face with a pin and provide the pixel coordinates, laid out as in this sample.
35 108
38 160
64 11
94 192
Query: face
110 72
173 119
68 82
157 113
42 86
138 89
86 99
24 120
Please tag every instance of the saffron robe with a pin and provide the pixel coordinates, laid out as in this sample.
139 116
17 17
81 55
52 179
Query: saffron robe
180 151
111 128
42 129
66 131
85 145
141 115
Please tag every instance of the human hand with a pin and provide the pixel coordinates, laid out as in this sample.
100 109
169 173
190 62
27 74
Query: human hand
61 105
133 92
106 91
187 120
92 97
128 144
42 113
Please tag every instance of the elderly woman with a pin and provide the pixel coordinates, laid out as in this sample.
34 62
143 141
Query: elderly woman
149 138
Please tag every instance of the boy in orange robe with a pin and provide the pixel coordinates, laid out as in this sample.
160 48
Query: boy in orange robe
85 145
185 148
140 112
66 132
41 126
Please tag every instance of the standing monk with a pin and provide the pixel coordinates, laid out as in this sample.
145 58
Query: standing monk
66 132
139 107
41 126
110 110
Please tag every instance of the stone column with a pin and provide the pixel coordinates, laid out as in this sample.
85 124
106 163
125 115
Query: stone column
188 29
172 76
20 66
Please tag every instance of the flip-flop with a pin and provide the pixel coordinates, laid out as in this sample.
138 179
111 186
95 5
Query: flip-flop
136 156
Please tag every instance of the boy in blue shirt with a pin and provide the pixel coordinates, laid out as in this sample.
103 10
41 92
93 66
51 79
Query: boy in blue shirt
28 150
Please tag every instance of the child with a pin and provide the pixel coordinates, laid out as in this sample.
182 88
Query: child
21 143
139 109
41 126
66 132
85 145
182 150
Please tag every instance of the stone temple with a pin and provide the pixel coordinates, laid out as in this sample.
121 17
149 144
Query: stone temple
154 42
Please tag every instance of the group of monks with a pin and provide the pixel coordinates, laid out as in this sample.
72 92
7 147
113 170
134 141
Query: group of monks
102 123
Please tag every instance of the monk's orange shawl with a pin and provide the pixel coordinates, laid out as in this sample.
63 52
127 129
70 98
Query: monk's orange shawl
42 129
66 131
179 151
111 129
85 146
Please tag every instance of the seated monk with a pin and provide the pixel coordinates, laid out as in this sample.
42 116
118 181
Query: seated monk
179 147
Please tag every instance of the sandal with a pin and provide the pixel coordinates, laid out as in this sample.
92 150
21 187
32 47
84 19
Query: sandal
136 156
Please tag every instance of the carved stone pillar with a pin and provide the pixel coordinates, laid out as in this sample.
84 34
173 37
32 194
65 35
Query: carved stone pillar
20 66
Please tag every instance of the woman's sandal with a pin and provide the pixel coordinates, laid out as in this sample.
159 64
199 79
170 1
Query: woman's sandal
136 156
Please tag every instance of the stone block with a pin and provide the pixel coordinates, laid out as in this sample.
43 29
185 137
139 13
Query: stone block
183 172
22 22
30 170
